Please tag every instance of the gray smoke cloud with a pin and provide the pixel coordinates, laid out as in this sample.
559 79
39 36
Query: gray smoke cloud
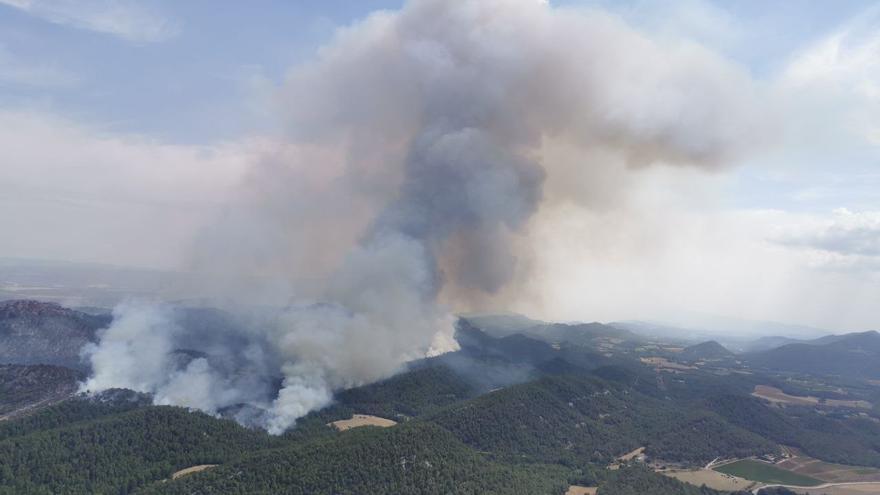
419 144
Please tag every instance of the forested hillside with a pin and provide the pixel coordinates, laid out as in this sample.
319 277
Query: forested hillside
571 420
851 355
119 452
33 332
835 439
507 415
423 390
26 387
418 458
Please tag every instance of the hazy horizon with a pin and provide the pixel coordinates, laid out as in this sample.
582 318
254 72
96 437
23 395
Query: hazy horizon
81 287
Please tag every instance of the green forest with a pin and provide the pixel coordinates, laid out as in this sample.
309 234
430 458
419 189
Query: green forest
462 427
532 438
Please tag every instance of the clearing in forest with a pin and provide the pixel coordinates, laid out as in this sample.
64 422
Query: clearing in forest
777 396
362 420
631 455
710 478
191 470
581 490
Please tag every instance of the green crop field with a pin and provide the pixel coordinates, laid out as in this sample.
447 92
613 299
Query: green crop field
766 473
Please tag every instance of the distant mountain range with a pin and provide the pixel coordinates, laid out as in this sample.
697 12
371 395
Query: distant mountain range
737 334
852 355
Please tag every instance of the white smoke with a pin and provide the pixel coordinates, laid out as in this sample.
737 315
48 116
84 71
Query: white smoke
133 352
420 144
147 350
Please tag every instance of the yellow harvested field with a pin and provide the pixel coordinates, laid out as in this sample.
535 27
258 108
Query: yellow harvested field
777 396
581 490
362 420
854 489
191 470
710 478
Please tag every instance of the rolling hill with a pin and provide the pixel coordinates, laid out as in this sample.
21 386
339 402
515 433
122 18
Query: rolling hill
854 355
710 351
24 388
34 332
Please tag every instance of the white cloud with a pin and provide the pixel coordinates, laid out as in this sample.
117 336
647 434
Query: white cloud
828 154
72 192
842 58
846 238
838 79
659 257
126 19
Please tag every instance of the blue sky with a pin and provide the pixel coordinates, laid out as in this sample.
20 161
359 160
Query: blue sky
191 81
199 77
199 72
119 117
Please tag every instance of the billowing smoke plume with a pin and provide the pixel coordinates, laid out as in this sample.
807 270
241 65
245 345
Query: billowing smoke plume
418 146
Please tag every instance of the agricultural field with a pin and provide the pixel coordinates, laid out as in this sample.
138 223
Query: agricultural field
826 471
777 396
710 478
854 489
765 473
